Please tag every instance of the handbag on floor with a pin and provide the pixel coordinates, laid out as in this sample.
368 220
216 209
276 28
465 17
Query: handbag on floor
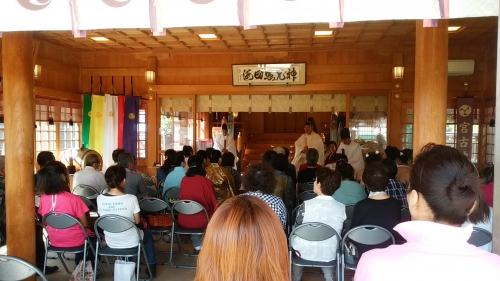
77 273
124 270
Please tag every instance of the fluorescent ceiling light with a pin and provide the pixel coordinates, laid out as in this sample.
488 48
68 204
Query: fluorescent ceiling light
99 38
323 32
207 36
454 28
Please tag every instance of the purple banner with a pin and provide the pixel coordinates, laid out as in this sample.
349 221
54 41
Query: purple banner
465 120
130 121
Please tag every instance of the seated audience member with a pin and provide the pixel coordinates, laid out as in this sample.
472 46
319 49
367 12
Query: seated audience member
174 178
350 192
395 188
403 174
283 183
379 208
374 156
444 192
259 180
488 177
287 167
90 175
167 167
314 210
280 167
243 242
52 184
134 184
187 151
45 157
332 150
227 161
391 152
223 181
116 153
337 157
307 165
309 172
194 186
205 156
116 202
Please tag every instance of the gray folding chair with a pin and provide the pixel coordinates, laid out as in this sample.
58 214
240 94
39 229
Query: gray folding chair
172 195
349 210
117 224
405 214
105 190
16 269
59 220
157 206
318 232
86 191
92 207
153 192
306 186
364 234
160 184
185 207
480 237
306 195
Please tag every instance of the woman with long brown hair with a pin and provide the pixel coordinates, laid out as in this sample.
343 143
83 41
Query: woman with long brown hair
244 241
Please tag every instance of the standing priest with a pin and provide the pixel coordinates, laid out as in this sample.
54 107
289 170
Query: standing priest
224 142
309 139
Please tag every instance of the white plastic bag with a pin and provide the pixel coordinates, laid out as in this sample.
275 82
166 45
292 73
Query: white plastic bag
124 270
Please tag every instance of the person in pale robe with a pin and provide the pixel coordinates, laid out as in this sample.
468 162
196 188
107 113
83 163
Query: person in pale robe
352 150
224 142
309 139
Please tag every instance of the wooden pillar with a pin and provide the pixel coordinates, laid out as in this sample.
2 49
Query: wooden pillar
17 55
431 81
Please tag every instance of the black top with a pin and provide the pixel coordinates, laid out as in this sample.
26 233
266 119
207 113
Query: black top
385 213
307 175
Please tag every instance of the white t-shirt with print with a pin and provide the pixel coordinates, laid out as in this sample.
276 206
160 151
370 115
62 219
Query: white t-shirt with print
123 205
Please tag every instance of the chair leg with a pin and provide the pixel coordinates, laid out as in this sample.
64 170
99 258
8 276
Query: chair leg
63 263
147 262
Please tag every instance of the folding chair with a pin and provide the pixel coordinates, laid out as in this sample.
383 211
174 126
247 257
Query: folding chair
479 237
91 206
172 195
318 232
349 210
160 184
117 224
157 206
185 207
86 191
364 234
59 220
14 268
306 186
105 190
148 180
306 195
405 214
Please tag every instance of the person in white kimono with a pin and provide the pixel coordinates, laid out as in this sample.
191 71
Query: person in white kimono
309 139
224 142
352 150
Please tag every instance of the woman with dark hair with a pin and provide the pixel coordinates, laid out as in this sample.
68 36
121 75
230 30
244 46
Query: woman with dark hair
325 209
243 242
444 191
350 191
403 174
167 167
52 183
259 180
116 202
194 186
227 162
222 179
379 208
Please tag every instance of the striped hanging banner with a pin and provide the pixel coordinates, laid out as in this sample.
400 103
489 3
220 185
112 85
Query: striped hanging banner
87 106
110 141
97 124
121 113
130 122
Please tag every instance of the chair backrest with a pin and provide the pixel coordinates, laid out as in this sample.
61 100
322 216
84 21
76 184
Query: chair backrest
105 190
405 214
306 195
349 210
37 200
61 220
89 204
314 231
160 184
188 207
369 235
153 205
115 224
480 237
148 180
85 190
306 186
152 192
14 268
173 193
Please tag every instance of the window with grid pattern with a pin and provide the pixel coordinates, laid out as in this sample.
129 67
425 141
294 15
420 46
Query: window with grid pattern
141 134
407 125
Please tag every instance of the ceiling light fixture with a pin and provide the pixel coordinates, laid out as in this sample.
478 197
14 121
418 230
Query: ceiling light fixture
207 36
452 29
323 32
99 38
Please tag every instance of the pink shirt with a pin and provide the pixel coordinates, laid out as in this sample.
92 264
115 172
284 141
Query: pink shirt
434 251
67 203
488 194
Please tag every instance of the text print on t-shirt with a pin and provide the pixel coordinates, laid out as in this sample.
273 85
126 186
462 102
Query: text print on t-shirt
113 206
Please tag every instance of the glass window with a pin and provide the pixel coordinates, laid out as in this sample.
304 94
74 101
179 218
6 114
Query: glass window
141 134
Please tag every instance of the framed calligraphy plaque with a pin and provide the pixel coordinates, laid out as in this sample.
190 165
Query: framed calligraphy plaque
269 74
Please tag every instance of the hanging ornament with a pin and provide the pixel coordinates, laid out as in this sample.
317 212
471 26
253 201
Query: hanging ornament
51 119
70 114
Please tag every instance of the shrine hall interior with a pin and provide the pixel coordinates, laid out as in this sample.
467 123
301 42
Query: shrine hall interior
350 72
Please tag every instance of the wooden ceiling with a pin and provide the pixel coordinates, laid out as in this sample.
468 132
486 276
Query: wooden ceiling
477 31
